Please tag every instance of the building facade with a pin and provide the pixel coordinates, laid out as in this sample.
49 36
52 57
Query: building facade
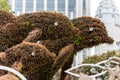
71 8
109 14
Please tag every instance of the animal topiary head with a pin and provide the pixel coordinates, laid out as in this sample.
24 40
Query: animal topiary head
50 24
55 25
38 63
36 60
92 32
6 17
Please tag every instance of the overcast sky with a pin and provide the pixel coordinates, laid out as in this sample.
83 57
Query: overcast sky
95 3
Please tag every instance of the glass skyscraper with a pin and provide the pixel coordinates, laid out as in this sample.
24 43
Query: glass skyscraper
71 8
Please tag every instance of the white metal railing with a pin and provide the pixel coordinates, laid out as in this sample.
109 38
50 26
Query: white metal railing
103 72
92 76
13 71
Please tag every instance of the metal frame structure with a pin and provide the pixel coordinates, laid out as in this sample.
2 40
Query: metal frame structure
93 65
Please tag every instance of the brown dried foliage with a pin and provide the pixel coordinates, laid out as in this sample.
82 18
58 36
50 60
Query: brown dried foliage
12 34
55 25
41 66
34 35
6 17
56 45
89 38
56 32
15 33
9 77
64 54
37 67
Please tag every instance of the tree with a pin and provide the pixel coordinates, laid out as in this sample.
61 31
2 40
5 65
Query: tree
4 5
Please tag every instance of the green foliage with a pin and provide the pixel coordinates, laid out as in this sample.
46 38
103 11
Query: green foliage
48 30
95 59
25 26
4 5
78 40
32 25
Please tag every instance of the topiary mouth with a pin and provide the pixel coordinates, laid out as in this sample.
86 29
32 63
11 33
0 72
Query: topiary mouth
108 40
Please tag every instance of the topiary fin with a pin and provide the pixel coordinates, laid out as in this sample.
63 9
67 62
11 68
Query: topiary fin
34 35
63 56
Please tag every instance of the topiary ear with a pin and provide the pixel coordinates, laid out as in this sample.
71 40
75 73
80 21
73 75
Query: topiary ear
63 56
34 35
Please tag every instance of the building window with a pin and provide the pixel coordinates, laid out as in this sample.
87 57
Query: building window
29 6
61 6
118 43
71 5
10 2
84 7
50 5
84 54
40 5
18 5
71 8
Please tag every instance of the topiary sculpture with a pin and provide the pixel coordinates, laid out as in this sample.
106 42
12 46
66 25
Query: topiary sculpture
34 61
92 33
41 25
54 31
53 25
6 17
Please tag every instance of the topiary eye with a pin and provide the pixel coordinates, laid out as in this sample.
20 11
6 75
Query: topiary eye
91 29
33 53
56 23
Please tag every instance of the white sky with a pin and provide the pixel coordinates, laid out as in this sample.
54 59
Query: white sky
95 3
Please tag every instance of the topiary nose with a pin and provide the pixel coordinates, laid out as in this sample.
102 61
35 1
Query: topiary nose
108 40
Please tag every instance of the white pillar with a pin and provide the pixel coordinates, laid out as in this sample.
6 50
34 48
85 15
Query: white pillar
13 5
24 6
88 7
18 13
66 7
92 51
45 5
34 5
77 8
79 57
56 5
71 15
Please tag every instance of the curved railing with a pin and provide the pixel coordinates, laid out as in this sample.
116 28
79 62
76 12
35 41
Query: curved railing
13 71
99 65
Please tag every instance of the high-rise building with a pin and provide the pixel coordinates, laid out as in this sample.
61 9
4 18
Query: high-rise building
109 14
71 8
